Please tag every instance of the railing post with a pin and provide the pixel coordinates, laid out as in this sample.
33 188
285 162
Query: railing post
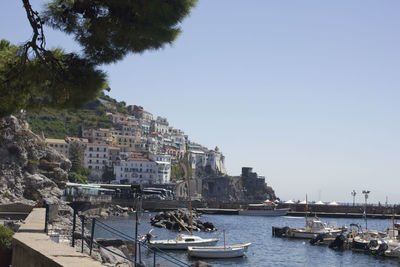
46 219
92 235
140 253
136 233
83 232
73 228
154 264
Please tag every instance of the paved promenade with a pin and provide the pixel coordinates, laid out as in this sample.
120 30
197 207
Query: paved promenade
32 247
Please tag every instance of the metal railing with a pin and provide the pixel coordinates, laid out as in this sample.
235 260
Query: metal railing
139 244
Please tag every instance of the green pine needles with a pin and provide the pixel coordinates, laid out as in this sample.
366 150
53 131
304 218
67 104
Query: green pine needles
33 77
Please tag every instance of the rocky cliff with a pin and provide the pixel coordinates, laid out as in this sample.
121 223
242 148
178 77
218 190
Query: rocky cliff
226 189
28 168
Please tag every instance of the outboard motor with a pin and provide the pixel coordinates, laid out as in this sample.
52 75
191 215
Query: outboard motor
338 243
318 239
280 232
372 244
380 251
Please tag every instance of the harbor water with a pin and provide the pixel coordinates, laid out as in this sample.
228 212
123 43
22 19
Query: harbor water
265 249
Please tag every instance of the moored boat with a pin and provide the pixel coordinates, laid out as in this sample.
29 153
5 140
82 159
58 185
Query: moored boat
315 227
183 242
216 252
244 245
263 209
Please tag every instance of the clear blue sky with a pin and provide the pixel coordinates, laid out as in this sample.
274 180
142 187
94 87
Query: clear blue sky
306 92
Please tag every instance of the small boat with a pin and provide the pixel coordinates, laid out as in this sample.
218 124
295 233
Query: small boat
216 252
393 249
219 252
183 242
245 246
313 228
368 240
263 209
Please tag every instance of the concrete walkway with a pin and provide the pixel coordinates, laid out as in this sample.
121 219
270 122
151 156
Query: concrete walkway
32 247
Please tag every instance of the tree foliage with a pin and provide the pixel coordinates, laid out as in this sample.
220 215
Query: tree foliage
75 156
33 77
58 80
109 29
78 173
108 174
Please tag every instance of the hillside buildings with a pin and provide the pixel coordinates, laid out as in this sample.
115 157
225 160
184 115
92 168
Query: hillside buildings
139 150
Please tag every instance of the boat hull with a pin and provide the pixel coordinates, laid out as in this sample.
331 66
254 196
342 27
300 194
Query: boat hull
271 213
181 245
309 235
216 252
245 246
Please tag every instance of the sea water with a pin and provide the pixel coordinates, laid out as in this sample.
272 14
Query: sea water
265 250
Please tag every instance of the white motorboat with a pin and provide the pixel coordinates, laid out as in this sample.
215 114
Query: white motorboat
183 242
393 249
314 227
263 209
216 252
367 240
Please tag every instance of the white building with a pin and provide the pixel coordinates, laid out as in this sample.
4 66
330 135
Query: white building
212 158
96 158
157 170
136 171
160 125
163 163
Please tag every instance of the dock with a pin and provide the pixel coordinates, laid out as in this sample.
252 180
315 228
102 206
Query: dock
218 211
342 215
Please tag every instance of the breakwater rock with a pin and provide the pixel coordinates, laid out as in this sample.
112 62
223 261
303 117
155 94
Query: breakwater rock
177 220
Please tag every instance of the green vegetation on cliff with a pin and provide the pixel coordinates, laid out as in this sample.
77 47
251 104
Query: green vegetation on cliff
62 123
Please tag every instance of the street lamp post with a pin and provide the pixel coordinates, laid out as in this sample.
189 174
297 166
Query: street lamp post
366 192
354 197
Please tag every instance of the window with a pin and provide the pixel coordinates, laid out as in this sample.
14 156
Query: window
90 167
90 149
105 149
98 149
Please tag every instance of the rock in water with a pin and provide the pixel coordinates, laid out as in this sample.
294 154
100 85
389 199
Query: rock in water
168 219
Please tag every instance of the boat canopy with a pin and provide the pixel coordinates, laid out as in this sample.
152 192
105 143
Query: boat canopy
289 202
333 203
319 203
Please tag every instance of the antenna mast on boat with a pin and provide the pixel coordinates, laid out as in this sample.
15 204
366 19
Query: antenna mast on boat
186 161
190 207
306 209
